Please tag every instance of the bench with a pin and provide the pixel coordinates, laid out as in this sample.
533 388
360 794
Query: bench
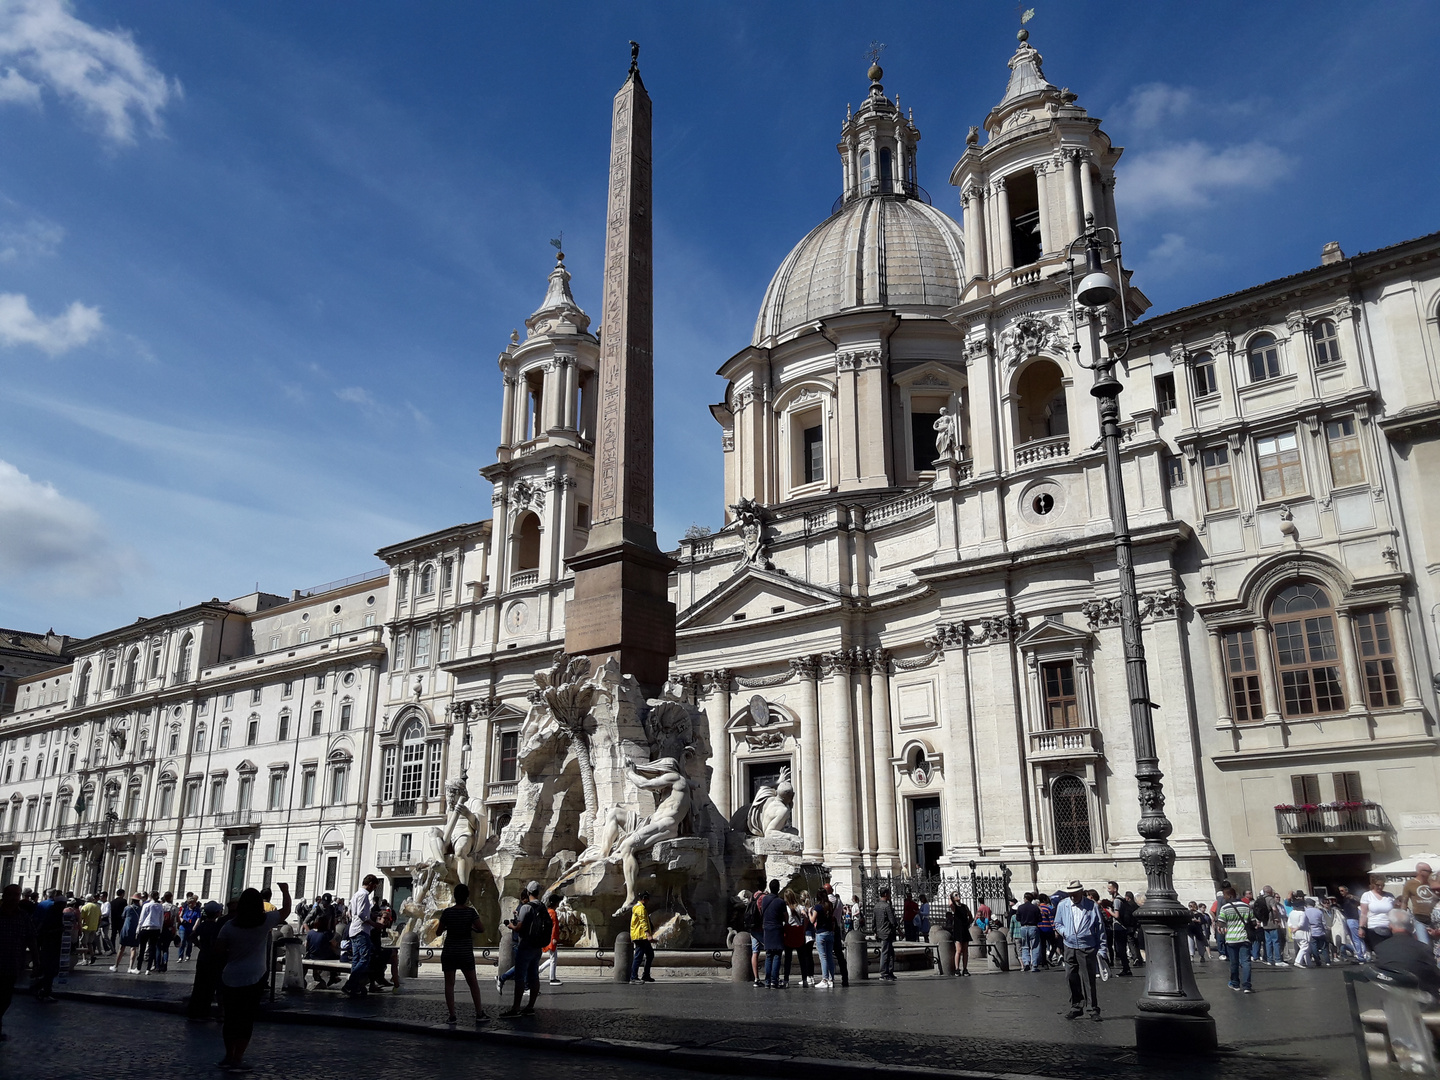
315 967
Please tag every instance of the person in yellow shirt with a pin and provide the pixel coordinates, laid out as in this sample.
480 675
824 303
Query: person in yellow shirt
90 929
643 939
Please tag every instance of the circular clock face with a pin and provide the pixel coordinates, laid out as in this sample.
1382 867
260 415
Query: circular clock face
516 616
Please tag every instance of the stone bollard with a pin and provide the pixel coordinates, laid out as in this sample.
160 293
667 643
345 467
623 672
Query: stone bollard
506 955
295 963
624 954
944 949
740 959
1000 954
977 942
409 955
857 954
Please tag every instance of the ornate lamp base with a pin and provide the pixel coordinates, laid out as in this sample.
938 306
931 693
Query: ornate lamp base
1173 1017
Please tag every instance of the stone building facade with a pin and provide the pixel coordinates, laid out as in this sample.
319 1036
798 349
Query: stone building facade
935 635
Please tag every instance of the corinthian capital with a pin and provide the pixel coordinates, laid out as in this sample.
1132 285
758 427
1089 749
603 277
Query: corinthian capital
807 667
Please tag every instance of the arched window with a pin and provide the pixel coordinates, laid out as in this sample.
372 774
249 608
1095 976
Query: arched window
1071 806
527 542
187 654
82 690
412 760
1264 356
887 170
1041 411
1202 375
864 170
427 579
1327 345
1306 651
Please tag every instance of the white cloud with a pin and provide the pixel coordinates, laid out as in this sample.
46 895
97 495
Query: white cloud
21 326
35 236
1154 103
102 73
357 395
1192 174
51 542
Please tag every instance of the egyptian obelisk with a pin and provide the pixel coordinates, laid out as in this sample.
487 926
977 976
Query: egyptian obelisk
621 606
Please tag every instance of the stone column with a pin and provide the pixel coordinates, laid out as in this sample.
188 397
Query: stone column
1087 190
568 373
1107 187
808 668
975 232
1350 665
1404 658
1266 659
1073 224
869 844
1001 220
838 762
507 412
985 406
552 396
718 710
960 823
1047 237
1219 676
882 749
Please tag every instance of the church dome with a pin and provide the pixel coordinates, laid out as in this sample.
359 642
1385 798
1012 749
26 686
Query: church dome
885 250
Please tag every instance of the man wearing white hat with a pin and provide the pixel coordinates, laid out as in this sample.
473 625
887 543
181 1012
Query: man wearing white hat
1077 921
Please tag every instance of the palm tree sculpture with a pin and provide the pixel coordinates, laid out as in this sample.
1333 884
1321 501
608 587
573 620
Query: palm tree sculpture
568 692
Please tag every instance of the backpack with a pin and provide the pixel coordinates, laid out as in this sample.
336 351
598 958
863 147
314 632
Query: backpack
537 930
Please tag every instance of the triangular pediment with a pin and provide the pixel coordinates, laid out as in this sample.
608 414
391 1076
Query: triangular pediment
1052 632
754 594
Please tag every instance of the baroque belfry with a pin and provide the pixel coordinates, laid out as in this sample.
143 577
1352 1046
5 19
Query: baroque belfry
908 621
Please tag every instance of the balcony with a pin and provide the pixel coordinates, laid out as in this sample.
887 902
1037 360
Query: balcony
403 808
392 858
236 819
502 792
884 186
1065 743
1332 819
523 579
1038 450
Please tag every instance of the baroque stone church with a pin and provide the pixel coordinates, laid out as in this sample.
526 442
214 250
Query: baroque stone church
934 635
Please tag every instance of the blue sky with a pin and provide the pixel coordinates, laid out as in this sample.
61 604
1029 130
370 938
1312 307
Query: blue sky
257 259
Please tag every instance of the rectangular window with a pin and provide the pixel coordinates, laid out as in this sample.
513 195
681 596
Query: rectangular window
1278 458
332 872
255 696
1243 671
404 585
276 801
300 880
320 681
1062 707
184 856
1377 658
274 642
1219 483
1174 472
1327 345
402 642
167 800
922 440
316 719
282 729
269 853
1165 393
422 647
1202 375
1347 465
339 778
447 573
267 877
205 885
812 449
242 801
287 688
345 714
45 813
387 775
509 757
307 788
229 701
432 785
370 618
1308 684
217 796
407 841
302 855
446 633
209 856
1264 356
582 515
252 733
304 636
192 798
1305 789
335 629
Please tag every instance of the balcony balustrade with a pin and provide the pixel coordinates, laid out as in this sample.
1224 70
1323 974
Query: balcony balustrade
1332 819
1038 450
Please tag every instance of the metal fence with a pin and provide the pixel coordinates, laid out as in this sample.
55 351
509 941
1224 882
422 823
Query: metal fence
992 885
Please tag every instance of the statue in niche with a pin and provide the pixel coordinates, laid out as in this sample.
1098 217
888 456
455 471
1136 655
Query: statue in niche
947 435
771 810
751 517
625 834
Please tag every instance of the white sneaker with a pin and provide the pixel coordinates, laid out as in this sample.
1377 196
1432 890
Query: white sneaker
114 967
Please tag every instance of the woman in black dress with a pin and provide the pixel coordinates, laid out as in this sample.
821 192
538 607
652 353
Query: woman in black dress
958 921
457 923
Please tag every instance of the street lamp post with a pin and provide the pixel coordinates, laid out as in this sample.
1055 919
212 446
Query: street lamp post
110 819
1173 1015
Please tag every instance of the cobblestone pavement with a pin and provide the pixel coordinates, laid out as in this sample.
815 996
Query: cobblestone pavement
62 1042
1296 1026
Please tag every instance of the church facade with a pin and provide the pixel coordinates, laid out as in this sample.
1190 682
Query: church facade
916 575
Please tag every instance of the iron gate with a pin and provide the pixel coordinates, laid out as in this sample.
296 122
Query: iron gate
990 885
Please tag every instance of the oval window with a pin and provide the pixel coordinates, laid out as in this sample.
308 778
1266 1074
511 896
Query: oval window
1043 503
